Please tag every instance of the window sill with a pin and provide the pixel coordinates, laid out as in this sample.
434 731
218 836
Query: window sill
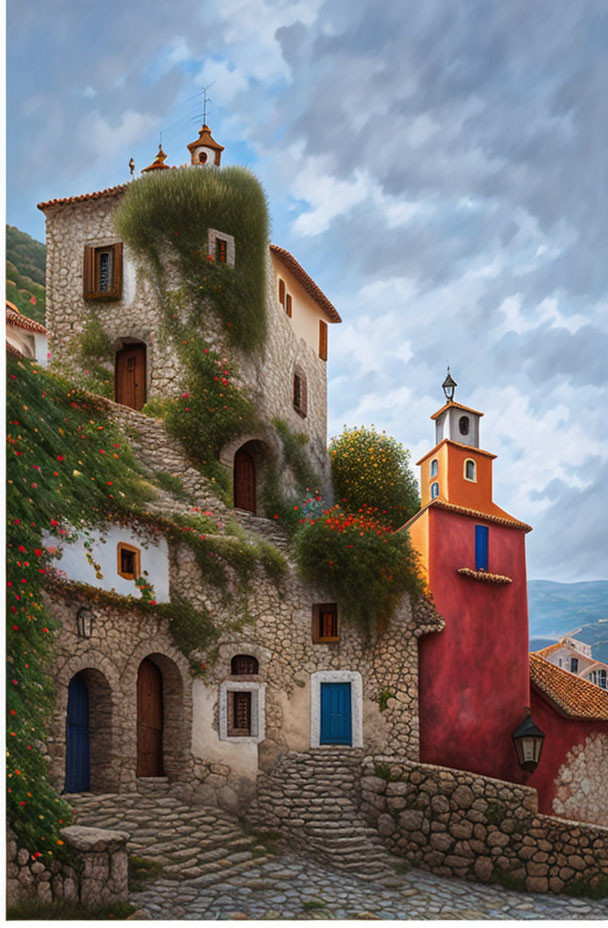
484 576
326 640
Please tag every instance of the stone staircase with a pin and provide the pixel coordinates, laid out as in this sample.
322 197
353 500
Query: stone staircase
193 843
313 798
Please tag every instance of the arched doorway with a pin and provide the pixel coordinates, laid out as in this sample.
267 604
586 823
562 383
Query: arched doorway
149 720
90 739
77 737
244 481
130 375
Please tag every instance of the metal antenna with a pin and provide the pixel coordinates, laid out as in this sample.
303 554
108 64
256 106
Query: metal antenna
206 100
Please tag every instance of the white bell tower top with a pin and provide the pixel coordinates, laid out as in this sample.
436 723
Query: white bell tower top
454 421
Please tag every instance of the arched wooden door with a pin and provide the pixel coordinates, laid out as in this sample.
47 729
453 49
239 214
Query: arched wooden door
244 481
149 720
77 737
130 376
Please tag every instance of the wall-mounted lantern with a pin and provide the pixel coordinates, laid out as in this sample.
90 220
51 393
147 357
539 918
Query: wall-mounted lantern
84 622
448 386
528 741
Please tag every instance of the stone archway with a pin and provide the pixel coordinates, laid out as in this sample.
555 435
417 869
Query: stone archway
175 705
89 734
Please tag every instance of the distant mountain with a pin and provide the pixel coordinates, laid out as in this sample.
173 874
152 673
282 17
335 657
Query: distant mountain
559 608
25 273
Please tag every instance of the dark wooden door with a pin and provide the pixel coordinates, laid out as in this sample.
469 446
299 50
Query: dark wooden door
130 379
149 720
244 481
77 737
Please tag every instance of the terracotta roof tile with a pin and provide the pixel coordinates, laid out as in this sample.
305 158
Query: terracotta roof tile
307 282
97 195
475 514
456 406
15 317
10 349
576 697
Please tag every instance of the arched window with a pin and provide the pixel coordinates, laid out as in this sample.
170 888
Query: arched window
463 425
202 157
434 468
470 470
244 664
434 490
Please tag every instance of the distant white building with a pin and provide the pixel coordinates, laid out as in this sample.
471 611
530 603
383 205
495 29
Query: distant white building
25 336
575 656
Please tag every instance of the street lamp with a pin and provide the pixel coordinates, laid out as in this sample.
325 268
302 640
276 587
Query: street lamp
84 622
528 742
448 386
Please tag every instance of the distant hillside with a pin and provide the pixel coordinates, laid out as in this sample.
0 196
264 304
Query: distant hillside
558 608
25 273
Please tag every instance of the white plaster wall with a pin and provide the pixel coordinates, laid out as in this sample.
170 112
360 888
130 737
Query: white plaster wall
241 757
72 560
305 312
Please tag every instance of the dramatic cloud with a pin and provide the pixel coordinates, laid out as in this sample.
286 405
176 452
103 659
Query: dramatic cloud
439 168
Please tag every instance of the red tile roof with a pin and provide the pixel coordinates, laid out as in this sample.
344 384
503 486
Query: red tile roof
12 350
456 406
576 697
97 195
15 317
475 514
306 282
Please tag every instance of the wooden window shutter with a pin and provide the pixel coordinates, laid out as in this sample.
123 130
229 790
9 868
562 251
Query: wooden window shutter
89 272
303 395
322 340
281 292
288 305
116 270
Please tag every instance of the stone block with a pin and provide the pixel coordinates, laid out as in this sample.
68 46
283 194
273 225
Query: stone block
411 819
227 799
268 755
43 891
441 842
462 830
386 825
440 804
93 840
537 884
395 803
576 862
497 839
463 797
457 862
373 784
397 789
23 857
483 868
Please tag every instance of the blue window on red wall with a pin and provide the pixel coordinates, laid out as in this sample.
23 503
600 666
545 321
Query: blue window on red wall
481 547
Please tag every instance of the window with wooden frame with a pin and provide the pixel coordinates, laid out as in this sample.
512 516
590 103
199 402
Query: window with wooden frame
322 340
103 272
239 714
244 664
288 305
282 292
300 393
325 626
221 250
128 561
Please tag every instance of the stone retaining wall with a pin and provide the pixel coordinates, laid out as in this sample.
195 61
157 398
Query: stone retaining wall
456 823
100 873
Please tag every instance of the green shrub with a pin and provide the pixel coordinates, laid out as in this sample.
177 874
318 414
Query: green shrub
171 484
372 470
66 465
142 871
33 910
365 566
589 889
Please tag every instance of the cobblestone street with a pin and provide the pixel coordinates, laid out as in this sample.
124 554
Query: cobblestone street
213 868
296 888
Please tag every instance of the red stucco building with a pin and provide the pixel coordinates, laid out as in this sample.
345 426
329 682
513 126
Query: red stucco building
475 675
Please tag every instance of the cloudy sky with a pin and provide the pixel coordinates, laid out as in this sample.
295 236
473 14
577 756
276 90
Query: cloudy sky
439 168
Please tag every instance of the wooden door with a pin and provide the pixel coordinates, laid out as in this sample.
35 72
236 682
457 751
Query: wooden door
335 713
77 737
130 376
149 720
244 481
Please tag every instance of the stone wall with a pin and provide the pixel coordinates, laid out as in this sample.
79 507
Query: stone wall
581 785
99 874
470 826
268 374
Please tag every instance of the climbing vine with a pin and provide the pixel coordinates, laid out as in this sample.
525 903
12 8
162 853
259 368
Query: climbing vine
166 216
92 359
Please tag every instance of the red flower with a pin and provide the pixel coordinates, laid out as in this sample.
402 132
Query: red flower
60 457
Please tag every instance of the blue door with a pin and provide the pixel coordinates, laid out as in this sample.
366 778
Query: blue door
77 737
335 714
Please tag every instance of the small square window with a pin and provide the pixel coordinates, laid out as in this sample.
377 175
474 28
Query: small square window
221 247
325 623
129 561
300 393
103 272
221 250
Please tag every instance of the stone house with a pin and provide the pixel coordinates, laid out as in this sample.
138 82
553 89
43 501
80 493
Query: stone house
288 674
576 657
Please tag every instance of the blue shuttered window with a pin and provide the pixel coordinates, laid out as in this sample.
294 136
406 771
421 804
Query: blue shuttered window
481 547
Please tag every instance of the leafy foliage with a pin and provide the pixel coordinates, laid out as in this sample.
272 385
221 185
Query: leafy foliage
372 469
92 353
25 273
167 214
65 465
288 511
365 566
32 909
